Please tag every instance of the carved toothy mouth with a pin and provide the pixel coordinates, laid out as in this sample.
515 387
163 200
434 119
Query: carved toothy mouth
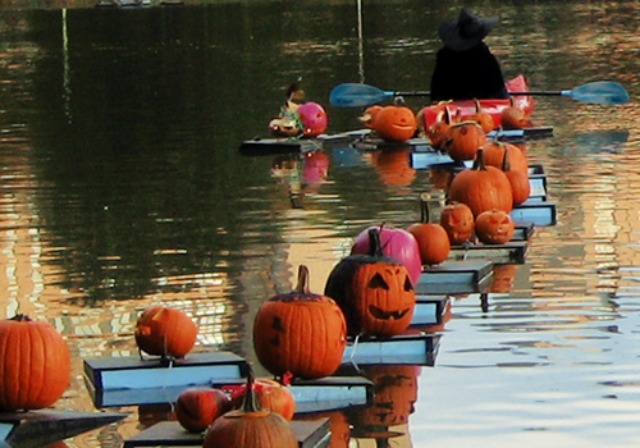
378 313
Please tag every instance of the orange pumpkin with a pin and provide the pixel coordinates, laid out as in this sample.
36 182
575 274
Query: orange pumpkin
395 123
464 139
482 188
375 292
300 332
484 119
250 427
36 364
438 132
513 117
458 221
494 227
165 331
432 238
197 407
494 152
519 180
369 115
269 394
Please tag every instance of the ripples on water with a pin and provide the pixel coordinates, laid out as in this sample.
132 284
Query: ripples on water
549 356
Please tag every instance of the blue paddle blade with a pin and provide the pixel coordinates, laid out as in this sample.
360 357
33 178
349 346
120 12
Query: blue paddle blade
600 92
357 95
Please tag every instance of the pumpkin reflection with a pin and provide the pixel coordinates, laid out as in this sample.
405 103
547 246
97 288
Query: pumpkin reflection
503 277
315 167
150 414
395 390
338 426
440 178
394 166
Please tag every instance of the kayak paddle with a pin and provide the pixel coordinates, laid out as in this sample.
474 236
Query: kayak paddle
598 92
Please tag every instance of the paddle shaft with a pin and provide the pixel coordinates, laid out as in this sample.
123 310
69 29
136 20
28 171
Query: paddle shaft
540 93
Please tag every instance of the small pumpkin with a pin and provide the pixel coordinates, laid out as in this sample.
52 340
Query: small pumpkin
369 115
165 331
250 427
513 117
300 332
36 364
458 221
484 119
269 394
437 133
482 188
464 139
395 123
197 407
374 291
432 238
494 227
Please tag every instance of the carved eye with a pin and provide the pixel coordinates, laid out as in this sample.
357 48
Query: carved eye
378 282
408 286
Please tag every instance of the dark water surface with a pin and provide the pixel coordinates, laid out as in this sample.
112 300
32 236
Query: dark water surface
122 185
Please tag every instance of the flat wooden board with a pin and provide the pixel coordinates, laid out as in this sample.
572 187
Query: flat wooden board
310 434
511 252
408 348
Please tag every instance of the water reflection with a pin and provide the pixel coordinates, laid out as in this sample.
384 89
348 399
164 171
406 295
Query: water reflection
122 186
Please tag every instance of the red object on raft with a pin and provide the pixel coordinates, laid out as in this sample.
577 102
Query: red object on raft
462 109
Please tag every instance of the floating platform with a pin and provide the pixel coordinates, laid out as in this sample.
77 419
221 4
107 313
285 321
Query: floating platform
286 145
120 381
36 429
430 309
456 277
523 231
409 348
541 214
511 252
310 434
330 393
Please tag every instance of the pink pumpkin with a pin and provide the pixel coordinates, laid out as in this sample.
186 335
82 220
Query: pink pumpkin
396 243
313 118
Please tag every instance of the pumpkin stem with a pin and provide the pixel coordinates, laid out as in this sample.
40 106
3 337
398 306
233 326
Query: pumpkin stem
478 163
303 280
21 318
505 160
249 402
424 208
375 245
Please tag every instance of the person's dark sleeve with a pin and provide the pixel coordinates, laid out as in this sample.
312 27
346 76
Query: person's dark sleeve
495 84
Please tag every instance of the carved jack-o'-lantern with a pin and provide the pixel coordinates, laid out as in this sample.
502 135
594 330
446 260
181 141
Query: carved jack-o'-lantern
494 227
374 292
395 123
458 221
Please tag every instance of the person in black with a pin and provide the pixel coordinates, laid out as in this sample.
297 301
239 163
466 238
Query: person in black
465 67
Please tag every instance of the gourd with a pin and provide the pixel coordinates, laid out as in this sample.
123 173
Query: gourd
432 238
250 427
458 221
464 139
494 227
165 331
373 290
482 188
395 243
197 407
395 123
35 368
300 332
